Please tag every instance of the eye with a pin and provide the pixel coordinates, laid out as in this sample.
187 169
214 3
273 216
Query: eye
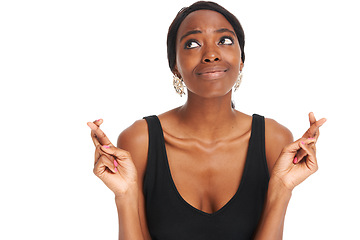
191 44
226 41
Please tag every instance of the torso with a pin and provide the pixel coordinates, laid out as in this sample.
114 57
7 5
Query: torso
206 174
201 170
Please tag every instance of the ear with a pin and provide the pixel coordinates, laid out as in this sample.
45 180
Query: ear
241 66
176 72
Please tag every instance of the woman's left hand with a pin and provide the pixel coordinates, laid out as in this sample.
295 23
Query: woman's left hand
312 132
290 173
297 160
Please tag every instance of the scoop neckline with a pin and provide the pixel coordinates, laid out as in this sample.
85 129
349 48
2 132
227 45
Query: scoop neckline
187 204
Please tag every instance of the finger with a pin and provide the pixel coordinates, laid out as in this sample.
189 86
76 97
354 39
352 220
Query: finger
99 153
311 161
312 121
318 124
98 122
301 153
313 146
100 135
312 118
313 131
293 148
92 133
95 139
299 156
104 164
116 152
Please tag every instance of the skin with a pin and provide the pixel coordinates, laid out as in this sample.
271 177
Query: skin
206 140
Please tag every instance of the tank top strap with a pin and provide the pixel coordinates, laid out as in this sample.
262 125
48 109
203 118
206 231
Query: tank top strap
257 143
155 169
155 134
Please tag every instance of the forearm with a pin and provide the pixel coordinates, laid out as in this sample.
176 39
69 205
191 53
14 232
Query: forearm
272 220
129 220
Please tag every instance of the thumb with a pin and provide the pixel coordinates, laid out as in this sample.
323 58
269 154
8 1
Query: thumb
294 147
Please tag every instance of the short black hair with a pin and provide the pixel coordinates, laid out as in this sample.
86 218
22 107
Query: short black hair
201 5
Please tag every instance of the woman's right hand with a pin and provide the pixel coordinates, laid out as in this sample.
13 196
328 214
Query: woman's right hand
113 165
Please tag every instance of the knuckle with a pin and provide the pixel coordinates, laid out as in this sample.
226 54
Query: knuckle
127 154
99 160
102 134
98 149
121 152
96 169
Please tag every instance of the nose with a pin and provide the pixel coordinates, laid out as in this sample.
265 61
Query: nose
211 59
210 55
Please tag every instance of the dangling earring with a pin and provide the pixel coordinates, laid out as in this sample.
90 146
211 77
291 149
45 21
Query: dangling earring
238 81
178 85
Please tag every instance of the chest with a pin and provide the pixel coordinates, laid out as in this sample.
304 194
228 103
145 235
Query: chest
207 176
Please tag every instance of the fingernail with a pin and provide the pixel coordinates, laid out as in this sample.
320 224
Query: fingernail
97 120
295 160
115 163
115 169
311 138
106 146
302 143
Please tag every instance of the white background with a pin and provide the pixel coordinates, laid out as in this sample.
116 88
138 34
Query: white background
64 63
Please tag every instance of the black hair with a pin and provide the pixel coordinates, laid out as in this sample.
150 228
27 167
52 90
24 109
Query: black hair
201 5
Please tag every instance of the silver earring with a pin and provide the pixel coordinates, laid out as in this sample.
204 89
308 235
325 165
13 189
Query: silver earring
238 81
178 85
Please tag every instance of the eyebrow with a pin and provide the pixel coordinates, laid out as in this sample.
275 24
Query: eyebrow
189 33
221 30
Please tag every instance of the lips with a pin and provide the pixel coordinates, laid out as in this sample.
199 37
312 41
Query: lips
211 72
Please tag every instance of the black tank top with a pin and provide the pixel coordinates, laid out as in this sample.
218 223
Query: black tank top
170 217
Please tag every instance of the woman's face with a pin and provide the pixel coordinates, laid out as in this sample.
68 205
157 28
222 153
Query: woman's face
208 55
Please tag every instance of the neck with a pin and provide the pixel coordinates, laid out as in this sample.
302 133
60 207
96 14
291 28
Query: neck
208 118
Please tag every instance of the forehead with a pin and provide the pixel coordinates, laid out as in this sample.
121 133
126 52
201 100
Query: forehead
204 20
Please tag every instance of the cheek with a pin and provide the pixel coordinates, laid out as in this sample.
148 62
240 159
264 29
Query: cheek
233 57
186 62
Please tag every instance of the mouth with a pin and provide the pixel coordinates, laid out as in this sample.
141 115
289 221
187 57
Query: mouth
212 72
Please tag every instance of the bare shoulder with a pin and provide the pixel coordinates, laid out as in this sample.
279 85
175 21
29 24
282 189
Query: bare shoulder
277 137
135 140
136 134
276 132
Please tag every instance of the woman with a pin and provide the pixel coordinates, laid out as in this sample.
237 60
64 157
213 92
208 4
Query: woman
204 170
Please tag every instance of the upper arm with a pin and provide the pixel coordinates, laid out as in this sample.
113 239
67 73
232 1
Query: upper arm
276 138
135 140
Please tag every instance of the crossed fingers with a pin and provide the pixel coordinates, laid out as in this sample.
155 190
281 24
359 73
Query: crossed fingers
97 135
99 139
312 133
